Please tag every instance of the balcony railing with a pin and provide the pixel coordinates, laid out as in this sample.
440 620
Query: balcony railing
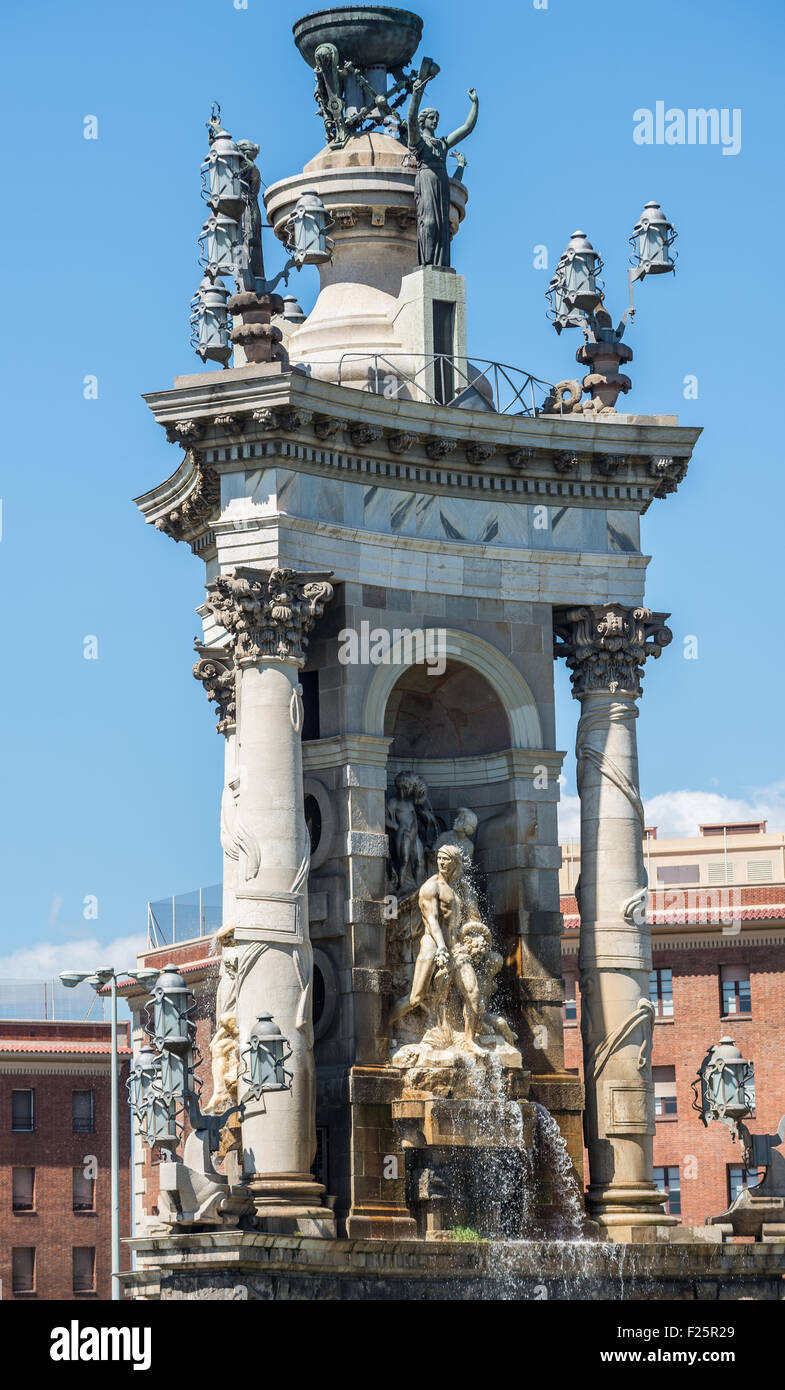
441 379
184 917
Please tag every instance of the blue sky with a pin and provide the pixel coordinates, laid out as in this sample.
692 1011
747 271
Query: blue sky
112 766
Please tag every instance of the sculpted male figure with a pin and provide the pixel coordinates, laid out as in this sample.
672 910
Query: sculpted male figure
406 850
441 956
463 828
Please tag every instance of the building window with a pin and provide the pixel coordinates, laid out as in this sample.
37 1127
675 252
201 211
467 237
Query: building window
23 1110
720 872
83 1191
735 987
570 999
664 1090
82 1112
22 1189
23 1269
667 1180
661 992
679 873
739 1178
84 1268
759 871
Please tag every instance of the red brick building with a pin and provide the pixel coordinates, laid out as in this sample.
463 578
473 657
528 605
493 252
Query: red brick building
717 913
55 1080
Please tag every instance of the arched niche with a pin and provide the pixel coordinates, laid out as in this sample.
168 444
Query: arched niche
456 714
460 649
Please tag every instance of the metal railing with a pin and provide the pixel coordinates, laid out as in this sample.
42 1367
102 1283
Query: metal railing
47 1000
184 916
442 379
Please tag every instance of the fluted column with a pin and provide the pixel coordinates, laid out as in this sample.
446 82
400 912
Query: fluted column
605 648
268 615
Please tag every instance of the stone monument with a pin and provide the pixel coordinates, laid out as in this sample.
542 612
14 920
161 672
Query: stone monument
392 561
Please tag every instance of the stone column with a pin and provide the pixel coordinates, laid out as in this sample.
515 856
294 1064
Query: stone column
267 615
605 648
214 667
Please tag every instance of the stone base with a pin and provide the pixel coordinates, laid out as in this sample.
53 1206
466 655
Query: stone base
619 1210
305 1221
291 1204
248 1265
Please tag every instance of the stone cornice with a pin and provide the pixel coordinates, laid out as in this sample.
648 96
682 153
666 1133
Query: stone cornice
268 613
606 645
512 763
195 401
228 420
440 473
183 505
343 749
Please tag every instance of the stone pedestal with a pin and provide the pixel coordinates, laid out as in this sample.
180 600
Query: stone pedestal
605 647
368 190
248 1265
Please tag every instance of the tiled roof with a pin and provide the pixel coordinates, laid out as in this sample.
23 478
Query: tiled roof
702 916
205 963
34 1045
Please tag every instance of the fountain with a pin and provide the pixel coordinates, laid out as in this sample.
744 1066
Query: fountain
381 615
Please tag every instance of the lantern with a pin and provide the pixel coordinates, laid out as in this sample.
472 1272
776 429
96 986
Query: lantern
581 265
555 296
223 186
651 240
219 240
307 230
155 1114
174 1076
210 322
172 1028
722 1079
265 1056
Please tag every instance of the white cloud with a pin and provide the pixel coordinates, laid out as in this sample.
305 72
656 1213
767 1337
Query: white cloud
46 959
569 819
680 813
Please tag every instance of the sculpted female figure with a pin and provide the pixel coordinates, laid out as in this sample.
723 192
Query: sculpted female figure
432 185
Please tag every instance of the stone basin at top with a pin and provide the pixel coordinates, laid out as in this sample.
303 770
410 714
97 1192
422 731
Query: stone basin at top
367 35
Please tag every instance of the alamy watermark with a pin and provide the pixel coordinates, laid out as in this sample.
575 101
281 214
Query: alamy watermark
697 125
380 646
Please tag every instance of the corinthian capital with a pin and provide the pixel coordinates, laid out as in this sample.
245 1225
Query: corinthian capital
215 669
606 645
268 613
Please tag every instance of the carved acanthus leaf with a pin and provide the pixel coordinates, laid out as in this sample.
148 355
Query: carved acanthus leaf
268 613
608 465
479 453
519 458
360 433
185 431
229 424
328 426
439 447
565 462
284 418
215 669
606 645
668 472
401 441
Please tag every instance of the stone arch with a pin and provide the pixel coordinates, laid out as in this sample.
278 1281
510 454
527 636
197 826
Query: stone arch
515 695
